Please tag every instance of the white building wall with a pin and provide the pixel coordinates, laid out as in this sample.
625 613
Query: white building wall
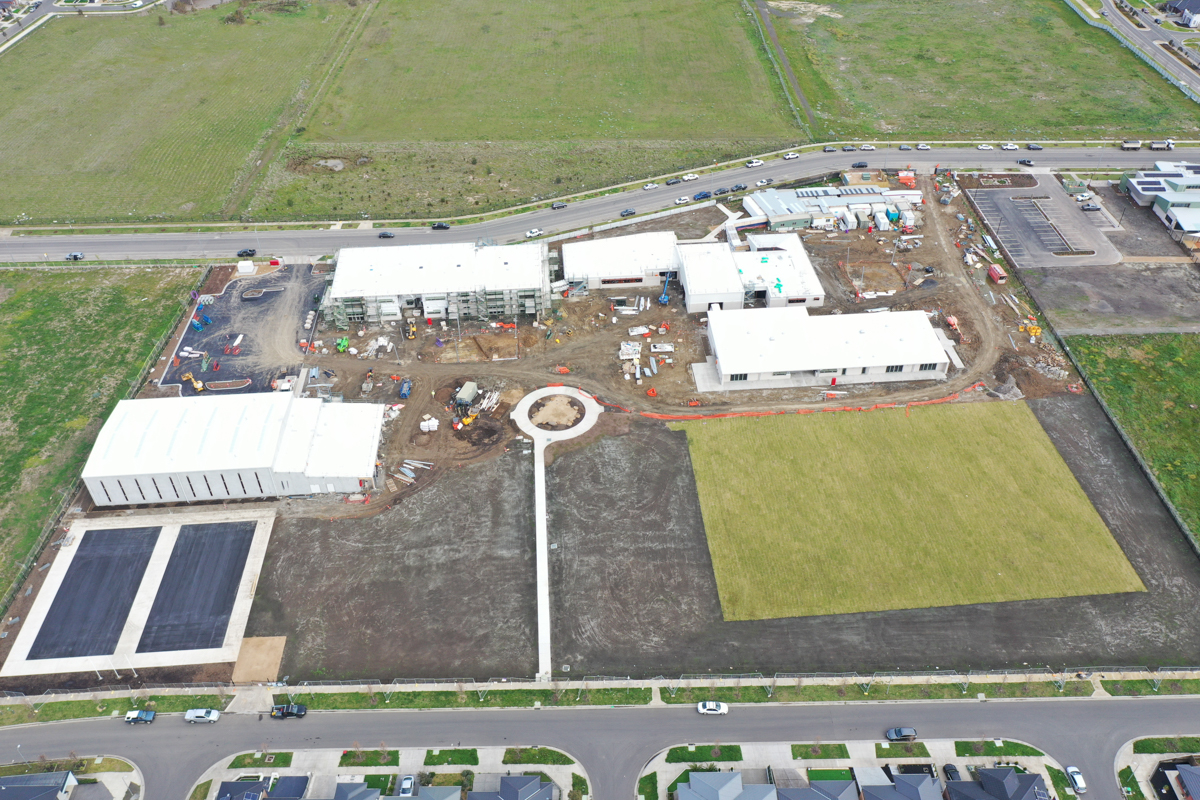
697 303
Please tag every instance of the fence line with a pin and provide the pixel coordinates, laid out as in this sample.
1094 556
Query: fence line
770 51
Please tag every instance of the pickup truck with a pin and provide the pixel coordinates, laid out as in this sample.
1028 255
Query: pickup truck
283 712
134 717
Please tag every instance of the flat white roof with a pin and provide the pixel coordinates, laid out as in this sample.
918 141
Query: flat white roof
789 340
620 257
274 430
787 272
438 268
709 269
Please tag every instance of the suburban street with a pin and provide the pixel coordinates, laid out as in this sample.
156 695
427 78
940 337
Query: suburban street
614 744
295 243
1146 40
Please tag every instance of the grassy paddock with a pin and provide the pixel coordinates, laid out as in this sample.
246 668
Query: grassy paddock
1011 69
172 146
838 503
1151 383
51 403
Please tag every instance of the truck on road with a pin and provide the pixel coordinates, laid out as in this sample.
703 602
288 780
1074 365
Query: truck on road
1168 144
1131 144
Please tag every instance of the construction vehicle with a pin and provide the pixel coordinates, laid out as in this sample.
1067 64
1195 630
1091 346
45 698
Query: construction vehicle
664 328
343 344
405 388
197 385
411 331
664 298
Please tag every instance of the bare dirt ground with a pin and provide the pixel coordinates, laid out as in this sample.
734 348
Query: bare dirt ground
634 591
442 585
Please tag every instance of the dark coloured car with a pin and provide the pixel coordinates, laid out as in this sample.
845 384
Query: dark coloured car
701 195
719 192
859 165
247 253
143 717
283 712
674 181
440 226
951 773
1090 207
386 235
848 148
629 212
906 147
558 206
901 734
1032 146
1025 162
830 149
739 187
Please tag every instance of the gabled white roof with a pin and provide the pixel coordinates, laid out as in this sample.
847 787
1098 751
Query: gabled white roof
620 256
787 339
438 268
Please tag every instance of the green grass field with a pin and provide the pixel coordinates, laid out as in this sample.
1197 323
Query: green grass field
1151 384
851 512
52 399
184 105
896 69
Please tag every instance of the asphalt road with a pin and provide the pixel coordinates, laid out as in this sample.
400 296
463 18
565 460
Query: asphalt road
292 243
1146 38
614 744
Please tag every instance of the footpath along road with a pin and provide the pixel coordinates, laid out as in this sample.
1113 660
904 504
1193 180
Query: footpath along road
577 214
614 744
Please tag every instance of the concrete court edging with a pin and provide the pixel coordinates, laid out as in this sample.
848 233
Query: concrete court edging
542 439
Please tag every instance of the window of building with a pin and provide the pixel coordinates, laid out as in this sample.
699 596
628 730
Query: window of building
864 372
781 374
928 367
896 368
827 371
797 300
741 376
613 281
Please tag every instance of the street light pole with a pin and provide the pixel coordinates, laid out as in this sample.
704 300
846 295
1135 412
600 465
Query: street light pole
21 756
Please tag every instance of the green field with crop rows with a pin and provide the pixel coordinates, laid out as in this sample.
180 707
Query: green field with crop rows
849 512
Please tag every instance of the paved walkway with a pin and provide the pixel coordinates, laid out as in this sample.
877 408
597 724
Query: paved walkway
541 439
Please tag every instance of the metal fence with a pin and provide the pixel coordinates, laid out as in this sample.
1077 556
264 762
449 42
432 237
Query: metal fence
770 51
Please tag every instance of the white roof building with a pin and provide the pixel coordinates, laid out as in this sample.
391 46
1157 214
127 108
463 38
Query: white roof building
637 260
778 269
443 279
187 449
710 277
784 347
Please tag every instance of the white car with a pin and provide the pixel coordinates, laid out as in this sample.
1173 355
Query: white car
533 234
1009 146
985 147
649 186
755 162
866 147
790 156
195 715
1079 198
691 176
136 4
923 147
1076 778
679 201
712 707
407 786
765 182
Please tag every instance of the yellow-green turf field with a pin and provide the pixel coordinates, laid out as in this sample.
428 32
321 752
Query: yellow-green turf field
849 512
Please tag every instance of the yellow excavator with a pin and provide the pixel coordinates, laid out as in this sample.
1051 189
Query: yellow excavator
197 385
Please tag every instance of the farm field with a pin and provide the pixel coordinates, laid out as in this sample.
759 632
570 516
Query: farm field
1151 384
186 105
52 400
473 105
944 70
946 505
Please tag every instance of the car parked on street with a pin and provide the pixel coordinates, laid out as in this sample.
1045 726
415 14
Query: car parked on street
712 707
901 734
764 182
629 212
719 192
139 717
739 187
755 162
386 235
702 195
649 186
679 201
691 176
1076 779
533 233
674 181
247 252
848 148
286 711
830 149
195 715
440 226
866 147
790 156
1025 162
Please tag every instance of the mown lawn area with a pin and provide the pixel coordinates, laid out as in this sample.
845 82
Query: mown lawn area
443 757
938 69
1062 786
648 786
987 747
81 766
535 755
814 751
117 706
1179 744
901 750
370 758
1130 784
501 698
170 145
878 691
579 783
249 761
862 511
1140 688
830 775
1151 383
704 753
478 105
201 790
52 398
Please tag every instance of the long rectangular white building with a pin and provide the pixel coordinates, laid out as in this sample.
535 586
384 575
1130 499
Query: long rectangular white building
641 259
190 449
784 347
444 281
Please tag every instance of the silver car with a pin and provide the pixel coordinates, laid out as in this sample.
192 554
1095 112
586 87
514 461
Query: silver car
195 715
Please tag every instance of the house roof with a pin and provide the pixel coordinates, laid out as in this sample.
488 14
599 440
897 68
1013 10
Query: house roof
1189 776
517 787
37 786
438 792
291 787
711 786
786 339
419 269
1179 6
355 791
821 790
906 787
1002 783
243 790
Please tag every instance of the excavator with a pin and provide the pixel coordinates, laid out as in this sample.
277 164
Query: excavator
197 385
411 332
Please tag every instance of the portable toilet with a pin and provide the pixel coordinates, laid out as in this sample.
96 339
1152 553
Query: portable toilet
892 214
997 274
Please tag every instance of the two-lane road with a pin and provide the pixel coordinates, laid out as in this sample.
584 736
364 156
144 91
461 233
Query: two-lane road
614 744
293 243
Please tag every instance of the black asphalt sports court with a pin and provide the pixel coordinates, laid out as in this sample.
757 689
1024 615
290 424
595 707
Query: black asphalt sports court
191 610
89 610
